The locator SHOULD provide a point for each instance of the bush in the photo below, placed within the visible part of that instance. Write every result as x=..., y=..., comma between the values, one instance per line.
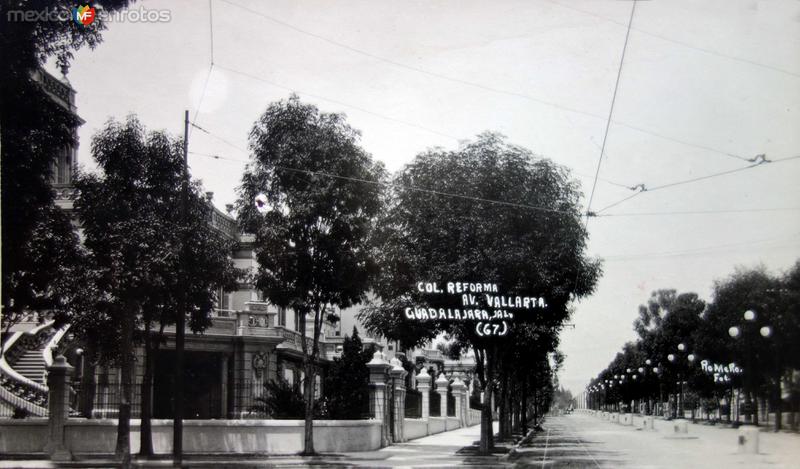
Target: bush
x=20, y=413
x=283, y=401
x=347, y=382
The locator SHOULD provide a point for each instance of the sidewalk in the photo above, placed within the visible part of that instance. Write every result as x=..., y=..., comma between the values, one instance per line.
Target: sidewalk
x=443, y=450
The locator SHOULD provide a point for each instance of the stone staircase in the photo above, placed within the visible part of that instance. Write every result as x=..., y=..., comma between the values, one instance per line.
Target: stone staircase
x=22, y=370
x=31, y=365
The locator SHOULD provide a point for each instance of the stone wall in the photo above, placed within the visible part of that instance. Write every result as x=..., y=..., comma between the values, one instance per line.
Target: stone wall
x=415, y=428
x=87, y=437
x=436, y=425
x=23, y=436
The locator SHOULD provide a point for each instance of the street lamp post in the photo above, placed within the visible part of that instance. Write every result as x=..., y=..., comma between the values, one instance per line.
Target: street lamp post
x=735, y=332
x=647, y=404
x=658, y=370
x=673, y=359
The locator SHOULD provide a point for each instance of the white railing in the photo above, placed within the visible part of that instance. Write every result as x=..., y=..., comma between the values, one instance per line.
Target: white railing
x=18, y=390
x=53, y=345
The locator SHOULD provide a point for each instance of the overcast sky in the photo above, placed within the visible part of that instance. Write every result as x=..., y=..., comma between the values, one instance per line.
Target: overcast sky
x=703, y=82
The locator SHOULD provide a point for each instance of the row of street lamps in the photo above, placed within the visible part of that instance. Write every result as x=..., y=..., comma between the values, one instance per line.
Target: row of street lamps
x=734, y=331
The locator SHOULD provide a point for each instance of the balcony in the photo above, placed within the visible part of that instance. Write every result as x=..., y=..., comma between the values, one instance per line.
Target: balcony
x=259, y=321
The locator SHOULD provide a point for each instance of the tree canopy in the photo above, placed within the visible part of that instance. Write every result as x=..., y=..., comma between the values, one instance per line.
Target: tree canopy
x=489, y=212
x=36, y=128
x=140, y=257
x=750, y=331
x=322, y=193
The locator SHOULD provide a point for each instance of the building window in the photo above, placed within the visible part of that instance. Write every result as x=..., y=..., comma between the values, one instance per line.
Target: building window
x=62, y=167
x=282, y=316
x=224, y=299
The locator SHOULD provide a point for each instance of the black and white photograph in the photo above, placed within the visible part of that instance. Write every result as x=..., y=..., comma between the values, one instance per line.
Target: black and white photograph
x=400, y=234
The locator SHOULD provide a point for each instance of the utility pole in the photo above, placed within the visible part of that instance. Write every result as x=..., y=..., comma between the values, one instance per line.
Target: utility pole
x=180, y=323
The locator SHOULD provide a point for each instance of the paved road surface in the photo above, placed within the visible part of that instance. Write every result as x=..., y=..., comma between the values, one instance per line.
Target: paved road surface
x=585, y=441
x=572, y=441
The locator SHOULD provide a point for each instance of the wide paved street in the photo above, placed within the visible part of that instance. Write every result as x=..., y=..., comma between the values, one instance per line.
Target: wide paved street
x=579, y=440
x=572, y=441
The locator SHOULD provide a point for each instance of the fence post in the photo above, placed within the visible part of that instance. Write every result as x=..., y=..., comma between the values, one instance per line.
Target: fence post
x=441, y=388
x=58, y=381
x=398, y=374
x=424, y=387
x=458, y=391
x=377, y=386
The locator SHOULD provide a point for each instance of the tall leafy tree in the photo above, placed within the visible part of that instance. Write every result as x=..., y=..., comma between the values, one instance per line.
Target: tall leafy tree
x=141, y=257
x=790, y=325
x=34, y=128
x=762, y=356
x=533, y=243
x=311, y=248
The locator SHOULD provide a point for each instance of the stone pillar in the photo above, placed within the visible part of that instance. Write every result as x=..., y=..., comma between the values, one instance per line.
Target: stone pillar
x=398, y=374
x=378, y=376
x=441, y=388
x=458, y=391
x=58, y=381
x=647, y=423
x=424, y=387
x=748, y=439
x=223, y=371
x=680, y=427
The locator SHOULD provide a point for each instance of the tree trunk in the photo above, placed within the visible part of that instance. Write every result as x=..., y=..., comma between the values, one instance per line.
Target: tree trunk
x=88, y=382
x=308, y=395
x=152, y=345
x=123, y=449
x=524, y=407
x=515, y=411
x=778, y=402
x=512, y=408
x=487, y=437
x=146, y=433
x=754, y=407
x=505, y=431
x=308, y=362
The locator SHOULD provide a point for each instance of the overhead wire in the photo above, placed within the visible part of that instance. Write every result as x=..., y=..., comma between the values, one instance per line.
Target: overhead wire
x=678, y=42
x=640, y=188
x=386, y=184
x=760, y=160
x=705, y=249
x=481, y=86
x=698, y=212
x=376, y=114
x=610, y=113
x=340, y=103
x=210, y=65
x=597, y=214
